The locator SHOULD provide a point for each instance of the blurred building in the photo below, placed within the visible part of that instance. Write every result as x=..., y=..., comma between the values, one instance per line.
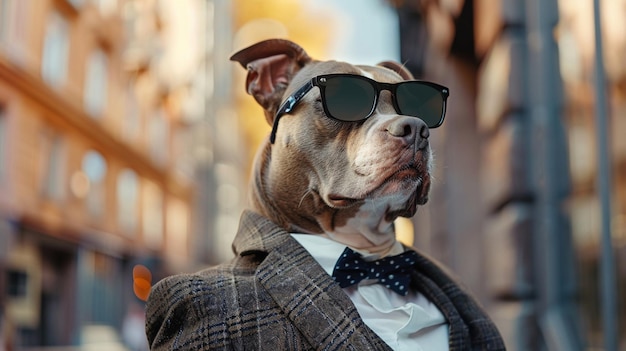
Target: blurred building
x=102, y=103
x=515, y=209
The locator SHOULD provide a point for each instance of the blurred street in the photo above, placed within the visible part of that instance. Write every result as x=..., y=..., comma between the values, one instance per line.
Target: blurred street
x=127, y=138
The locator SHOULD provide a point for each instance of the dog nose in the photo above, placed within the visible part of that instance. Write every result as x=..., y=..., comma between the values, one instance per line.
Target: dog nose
x=410, y=130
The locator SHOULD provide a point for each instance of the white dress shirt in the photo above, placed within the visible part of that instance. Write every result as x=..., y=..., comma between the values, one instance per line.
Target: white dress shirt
x=408, y=322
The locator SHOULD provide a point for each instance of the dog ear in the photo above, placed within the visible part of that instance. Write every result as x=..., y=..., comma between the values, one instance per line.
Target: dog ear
x=271, y=65
x=398, y=68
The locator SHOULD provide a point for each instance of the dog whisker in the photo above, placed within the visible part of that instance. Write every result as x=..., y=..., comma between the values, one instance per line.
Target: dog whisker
x=303, y=196
x=431, y=165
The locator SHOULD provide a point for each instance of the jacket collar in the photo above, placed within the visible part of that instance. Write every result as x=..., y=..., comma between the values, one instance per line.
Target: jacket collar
x=257, y=234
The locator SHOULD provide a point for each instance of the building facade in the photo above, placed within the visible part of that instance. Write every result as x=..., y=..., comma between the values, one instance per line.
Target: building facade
x=98, y=102
x=516, y=209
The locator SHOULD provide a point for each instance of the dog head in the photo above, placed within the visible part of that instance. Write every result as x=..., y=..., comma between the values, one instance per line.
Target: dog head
x=318, y=174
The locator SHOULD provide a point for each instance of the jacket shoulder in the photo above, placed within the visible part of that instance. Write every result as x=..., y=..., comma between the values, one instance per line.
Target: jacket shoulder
x=182, y=309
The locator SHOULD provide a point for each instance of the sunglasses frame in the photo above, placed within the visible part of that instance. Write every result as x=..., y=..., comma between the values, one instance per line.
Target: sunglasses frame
x=320, y=81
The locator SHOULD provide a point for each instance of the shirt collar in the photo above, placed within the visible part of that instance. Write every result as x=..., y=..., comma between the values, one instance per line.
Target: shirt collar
x=327, y=251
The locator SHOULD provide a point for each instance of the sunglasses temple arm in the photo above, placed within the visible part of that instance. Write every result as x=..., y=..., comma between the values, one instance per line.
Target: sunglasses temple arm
x=274, y=127
x=288, y=105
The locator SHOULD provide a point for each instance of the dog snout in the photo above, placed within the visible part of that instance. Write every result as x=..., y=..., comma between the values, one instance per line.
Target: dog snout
x=410, y=130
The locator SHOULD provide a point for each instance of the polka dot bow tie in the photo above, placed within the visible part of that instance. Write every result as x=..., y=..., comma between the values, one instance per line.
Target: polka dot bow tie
x=393, y=272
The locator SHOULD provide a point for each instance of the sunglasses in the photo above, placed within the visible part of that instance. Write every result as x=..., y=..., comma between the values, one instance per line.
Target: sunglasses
x=353, y=98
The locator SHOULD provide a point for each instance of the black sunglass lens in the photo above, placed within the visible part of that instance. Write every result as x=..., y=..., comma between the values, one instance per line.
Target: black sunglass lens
x=422, y=101
x=348, y=98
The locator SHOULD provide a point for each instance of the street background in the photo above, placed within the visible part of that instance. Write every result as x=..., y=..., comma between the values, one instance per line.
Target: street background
x=126, y=142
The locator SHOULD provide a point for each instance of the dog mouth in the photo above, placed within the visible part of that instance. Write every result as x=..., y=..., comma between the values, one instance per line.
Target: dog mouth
x=408, y=172
x=339, y=201
x=406, y=178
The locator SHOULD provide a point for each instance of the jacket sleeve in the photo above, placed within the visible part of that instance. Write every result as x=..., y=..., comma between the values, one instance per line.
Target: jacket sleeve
x=170, y=320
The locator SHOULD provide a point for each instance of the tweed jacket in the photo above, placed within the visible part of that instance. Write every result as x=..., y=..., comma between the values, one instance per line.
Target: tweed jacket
x=274, y=296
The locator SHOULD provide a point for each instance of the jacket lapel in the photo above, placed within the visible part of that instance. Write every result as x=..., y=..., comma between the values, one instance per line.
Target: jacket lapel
x=313, y=302
x=457, y=331
x=469, y=326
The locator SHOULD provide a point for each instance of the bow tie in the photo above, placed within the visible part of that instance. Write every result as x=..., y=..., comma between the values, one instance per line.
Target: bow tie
x=393, y=272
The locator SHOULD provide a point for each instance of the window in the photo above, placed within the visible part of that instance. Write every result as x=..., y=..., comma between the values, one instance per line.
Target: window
x=12, y=23
x=95, y=93
x=127, y=200
x=131, y=125
x=99, y=279
x=182, y=144
x=5, y=19
x=55, y=50
x=76, y=3
x=158, y=134
x=53, y=167
x=95, y=167
x=106, y=7
x=177, y=228
x=152, y=206
x=17, y=282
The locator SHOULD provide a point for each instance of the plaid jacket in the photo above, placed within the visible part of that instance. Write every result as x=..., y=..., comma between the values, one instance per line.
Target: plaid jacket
x=274, y=296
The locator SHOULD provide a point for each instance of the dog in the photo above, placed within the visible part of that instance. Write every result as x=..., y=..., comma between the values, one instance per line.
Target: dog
x=348, y=153
x=350, y=177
